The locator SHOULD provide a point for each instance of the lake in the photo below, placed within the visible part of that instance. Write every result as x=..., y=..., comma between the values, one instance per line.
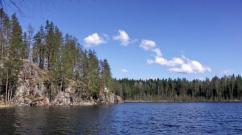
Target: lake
x=125, y=119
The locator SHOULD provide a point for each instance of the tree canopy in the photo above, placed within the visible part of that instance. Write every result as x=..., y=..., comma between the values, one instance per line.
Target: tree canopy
x=61, y=56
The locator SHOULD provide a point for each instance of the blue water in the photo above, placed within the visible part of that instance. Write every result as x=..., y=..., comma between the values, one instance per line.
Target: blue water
x=125, y=119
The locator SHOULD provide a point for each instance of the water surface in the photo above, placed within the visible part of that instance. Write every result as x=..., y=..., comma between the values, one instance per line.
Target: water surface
x=125, y=119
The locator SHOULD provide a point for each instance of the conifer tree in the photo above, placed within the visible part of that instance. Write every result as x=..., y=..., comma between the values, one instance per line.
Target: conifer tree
x=39, y=48
x=93, y=73
x=13, y=62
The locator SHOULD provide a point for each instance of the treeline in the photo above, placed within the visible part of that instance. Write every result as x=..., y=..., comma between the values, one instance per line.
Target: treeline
x=61, y=56
x=227, y=88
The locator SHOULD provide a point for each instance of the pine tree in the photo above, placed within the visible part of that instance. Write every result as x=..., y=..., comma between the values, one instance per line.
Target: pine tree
x=29, y=41
x=93, y=73
x=17, y=47
x=105, y=76
x=4, y=34
x=13, y=62
x=39, y=48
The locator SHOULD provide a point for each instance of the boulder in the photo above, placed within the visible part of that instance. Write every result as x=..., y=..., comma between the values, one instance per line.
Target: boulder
x=63, y=98
x=41, y=102
x=120, y=99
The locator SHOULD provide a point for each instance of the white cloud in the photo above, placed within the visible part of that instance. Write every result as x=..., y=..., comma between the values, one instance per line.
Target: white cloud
x=147, y=44
x=179, y=64
x=93, y=40
x=190, y=67
x=124, y=70
x=157, y=51
x=123, y=37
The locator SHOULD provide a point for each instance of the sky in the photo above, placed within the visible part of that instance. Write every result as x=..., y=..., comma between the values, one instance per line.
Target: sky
x=143, y=39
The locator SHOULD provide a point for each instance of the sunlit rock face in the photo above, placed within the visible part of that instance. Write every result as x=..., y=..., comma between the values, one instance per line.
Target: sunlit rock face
x=32, y=90
x=62, y=98
x=109, y=98
x=120, y=99
x=31, y=86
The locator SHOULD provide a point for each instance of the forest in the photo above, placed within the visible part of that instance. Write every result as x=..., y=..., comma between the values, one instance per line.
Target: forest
x=226, y=88
x=61, y=55
x=66, y=60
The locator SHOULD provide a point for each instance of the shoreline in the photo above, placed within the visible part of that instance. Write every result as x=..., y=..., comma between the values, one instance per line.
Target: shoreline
x=2, y=106
x=10, y=105
x=171, y=101
x=6, y=106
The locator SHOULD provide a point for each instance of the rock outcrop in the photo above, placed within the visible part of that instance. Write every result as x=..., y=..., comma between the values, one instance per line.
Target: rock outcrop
x=31, y=85
x=32, y=90
x=65, y=98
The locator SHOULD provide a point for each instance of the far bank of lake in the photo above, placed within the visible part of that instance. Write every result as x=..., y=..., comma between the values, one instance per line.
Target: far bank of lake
x=184, y=101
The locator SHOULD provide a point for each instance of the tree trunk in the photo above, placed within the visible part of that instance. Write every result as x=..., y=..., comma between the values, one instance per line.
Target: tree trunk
x=9, y=89
x=1, y=38
x=6, y=89
x=11, y=94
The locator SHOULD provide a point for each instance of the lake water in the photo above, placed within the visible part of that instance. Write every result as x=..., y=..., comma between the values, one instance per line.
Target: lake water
x=125, y=119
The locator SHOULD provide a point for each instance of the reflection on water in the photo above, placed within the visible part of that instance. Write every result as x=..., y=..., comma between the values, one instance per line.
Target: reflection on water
x=129, y=118
x=55, y=120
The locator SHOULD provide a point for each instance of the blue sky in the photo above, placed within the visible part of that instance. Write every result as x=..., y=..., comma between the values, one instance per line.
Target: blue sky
x=196, y=38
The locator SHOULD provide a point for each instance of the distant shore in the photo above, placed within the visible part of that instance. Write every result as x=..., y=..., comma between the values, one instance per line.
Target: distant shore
x=178, y=101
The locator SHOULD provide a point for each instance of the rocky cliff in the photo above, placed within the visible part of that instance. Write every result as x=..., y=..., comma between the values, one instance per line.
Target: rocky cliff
x=32, y=90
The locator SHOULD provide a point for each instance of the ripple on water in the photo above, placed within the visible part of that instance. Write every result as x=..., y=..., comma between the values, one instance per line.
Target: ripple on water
x=125, y=119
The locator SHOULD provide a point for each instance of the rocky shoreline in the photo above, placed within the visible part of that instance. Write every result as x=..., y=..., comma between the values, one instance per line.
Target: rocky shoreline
x=33, y=90
x=62, y=99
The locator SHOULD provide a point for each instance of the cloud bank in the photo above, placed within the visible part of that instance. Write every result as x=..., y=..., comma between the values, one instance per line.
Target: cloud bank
x=178, y=64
